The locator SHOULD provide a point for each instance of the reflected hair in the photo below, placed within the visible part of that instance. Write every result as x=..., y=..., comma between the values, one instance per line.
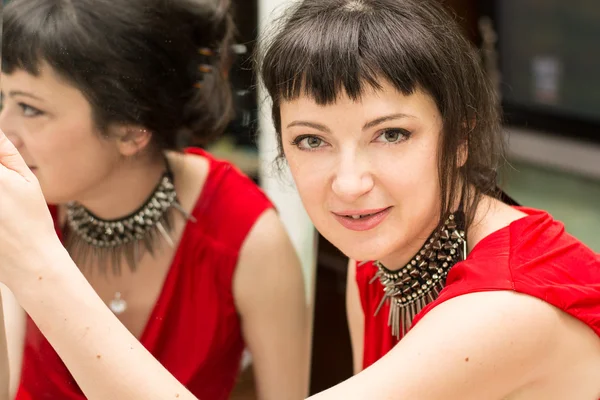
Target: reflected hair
x=136, y=61
x=326, y=48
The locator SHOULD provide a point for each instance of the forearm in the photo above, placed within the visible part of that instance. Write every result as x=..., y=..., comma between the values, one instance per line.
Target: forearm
x=105, y=359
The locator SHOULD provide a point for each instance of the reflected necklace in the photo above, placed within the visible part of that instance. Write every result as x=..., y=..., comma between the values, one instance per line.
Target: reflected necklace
x=411, y=288
x=109, y=241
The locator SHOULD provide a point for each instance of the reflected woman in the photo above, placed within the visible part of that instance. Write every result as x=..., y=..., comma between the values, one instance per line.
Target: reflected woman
x=184, y=249
x=393, y=138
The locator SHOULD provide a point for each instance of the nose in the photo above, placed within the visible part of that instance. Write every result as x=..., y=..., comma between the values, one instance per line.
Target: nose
x=353, y=178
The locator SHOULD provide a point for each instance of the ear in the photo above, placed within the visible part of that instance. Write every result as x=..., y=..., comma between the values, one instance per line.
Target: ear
x=133, y=139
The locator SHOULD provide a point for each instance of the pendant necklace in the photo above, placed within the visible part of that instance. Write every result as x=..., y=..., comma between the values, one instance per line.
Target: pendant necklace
x=106, y=242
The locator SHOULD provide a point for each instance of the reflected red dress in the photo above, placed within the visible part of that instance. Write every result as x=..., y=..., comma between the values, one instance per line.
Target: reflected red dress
x=194, y=329
x=533, y=255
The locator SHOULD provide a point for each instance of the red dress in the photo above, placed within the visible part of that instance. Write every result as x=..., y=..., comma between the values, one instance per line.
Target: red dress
x=533, y=255
x=194, y=329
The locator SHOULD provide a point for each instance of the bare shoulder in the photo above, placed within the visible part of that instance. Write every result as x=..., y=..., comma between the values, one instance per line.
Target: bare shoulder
x=516, y=314
x=513, y=327
x=267, y=238
x=268, y=269
x=492, y=215
x=190, y=171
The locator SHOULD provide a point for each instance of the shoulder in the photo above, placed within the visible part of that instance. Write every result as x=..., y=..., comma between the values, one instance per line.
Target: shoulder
x=228, y=187
x=565, y=275
x=268, y=243
x=534, y=333
x=548, y=263
x=227, y=202
x=490, y=310
x=479, y=345
x=498, y=329
x=268, y=268
x=534, y=256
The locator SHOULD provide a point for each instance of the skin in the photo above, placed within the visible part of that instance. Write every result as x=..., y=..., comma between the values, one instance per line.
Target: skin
x=338, y=164
x=50, y=124
x=495, y=345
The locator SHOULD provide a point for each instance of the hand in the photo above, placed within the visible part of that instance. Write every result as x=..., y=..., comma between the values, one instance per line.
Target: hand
x=26, y=228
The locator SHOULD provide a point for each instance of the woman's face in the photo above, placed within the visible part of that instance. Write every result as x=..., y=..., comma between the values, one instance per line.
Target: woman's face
x=50, y=122
x=367, y=170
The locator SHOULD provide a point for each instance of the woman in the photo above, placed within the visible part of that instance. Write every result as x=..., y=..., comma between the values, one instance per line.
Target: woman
x=392, y=135
x=186, y=251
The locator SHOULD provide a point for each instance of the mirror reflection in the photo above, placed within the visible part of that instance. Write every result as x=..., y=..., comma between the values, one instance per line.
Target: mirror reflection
x=104, y=101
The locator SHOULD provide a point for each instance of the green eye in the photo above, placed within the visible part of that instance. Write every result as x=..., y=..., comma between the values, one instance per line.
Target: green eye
x=393, y=135
x=313, y=142
x=308, y=142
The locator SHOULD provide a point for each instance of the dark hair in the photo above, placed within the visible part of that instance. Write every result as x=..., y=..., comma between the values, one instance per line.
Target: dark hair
x=136, y=61
x=324, y=47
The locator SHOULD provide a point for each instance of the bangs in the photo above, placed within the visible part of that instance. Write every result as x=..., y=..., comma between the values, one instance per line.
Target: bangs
x=345, y=54
x=38, y=32
x=26, y=42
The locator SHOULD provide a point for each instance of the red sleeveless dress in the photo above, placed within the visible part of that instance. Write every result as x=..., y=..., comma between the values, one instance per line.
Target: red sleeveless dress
x=533, y=255
x=194, y=329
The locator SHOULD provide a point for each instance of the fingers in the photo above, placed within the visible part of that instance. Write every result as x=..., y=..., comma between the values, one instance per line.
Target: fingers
x=11, y=159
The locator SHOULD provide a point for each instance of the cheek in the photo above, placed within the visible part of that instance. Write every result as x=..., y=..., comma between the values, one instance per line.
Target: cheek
x=307, y=182
x=69, y=161
x=312, y=180
x=410, y=179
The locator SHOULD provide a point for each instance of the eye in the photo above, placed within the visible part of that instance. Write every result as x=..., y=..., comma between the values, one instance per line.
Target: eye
x=308, y=142
x=393, y=135
x=30, y=112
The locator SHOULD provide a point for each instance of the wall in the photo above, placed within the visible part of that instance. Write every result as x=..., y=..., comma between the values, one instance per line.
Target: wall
x=279, y=185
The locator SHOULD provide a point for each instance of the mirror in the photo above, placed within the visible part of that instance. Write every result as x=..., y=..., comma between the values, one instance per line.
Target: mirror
x=174, y=245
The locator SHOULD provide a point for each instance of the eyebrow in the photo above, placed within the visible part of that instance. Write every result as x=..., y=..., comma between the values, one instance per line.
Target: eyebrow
x=385, y=118
x=368, y=125
x=26, y=94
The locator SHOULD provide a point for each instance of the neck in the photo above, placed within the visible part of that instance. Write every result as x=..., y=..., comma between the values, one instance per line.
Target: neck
x=398, y=259
x=124, y=189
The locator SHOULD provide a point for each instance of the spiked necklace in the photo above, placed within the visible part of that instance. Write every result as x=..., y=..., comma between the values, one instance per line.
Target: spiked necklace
x=88, y=237
x=410, y=289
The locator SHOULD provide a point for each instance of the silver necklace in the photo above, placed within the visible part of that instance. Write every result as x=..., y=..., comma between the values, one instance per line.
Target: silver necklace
x=410, y=289
x=88, y=237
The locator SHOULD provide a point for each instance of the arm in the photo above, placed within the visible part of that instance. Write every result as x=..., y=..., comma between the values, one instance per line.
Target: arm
x=269, y=294
x=356, y=318
x=105, y=359
x=14, y=323
x=476, y=346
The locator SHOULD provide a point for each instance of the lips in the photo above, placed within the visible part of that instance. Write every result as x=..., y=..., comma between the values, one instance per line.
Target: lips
x=362, y=220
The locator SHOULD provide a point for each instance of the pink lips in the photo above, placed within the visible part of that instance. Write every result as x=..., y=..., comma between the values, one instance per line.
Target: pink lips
x=369, y=218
